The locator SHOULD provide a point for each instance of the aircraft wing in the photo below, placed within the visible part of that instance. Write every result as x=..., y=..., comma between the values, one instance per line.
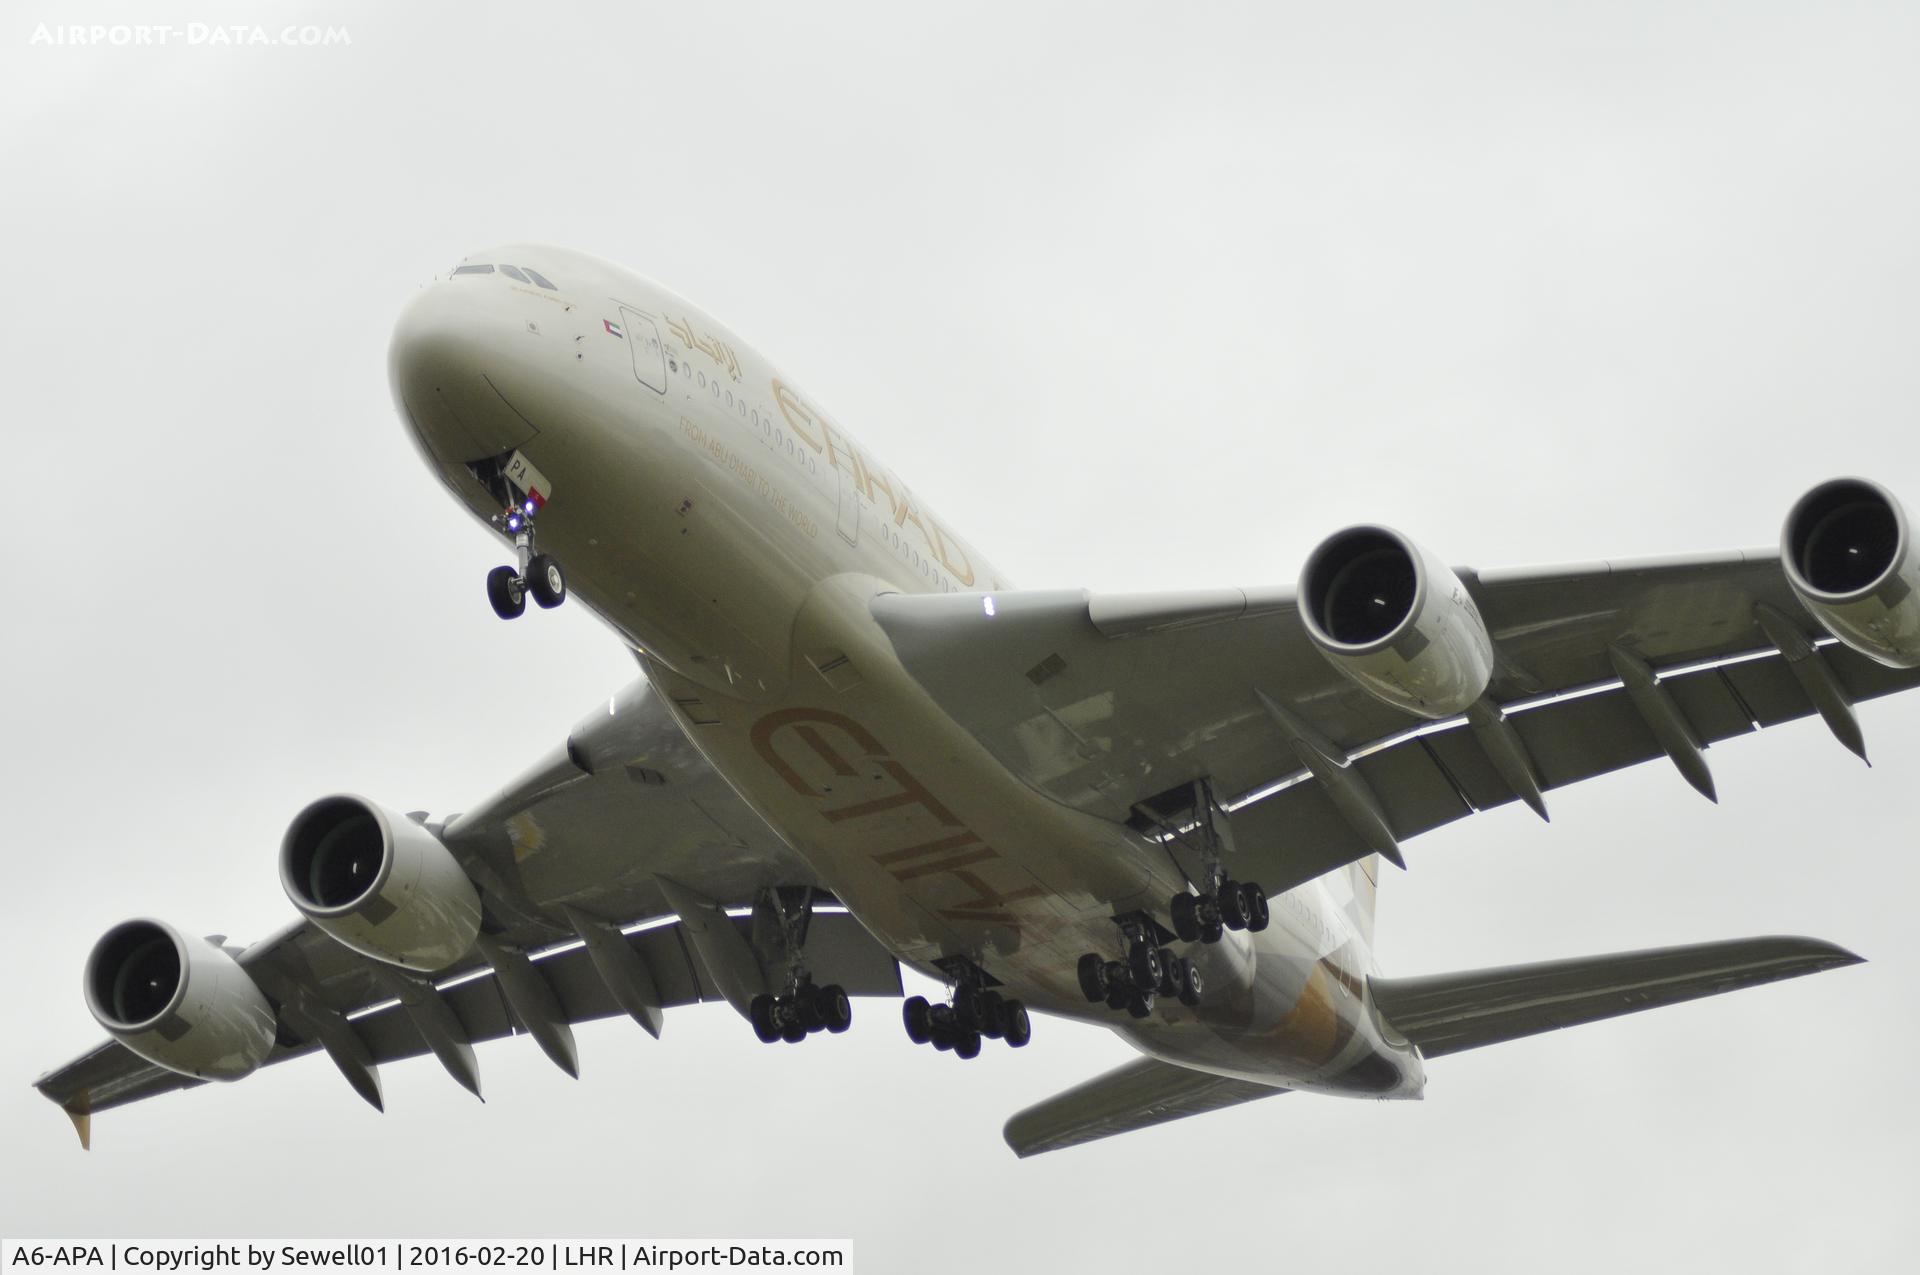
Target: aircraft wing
x=839, y=951
x=1447, y=1013
x=1108, y=702
x=622, y=832
x=1135, y=1095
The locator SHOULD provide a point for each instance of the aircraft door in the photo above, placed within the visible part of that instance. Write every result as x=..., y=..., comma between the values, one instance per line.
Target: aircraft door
x=649, y=356
x=849, y=514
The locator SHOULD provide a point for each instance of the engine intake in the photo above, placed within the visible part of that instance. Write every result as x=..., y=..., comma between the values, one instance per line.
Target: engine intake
x=379, y=883
x=1397, y=621
x=183, y=1004
x=1850, y=560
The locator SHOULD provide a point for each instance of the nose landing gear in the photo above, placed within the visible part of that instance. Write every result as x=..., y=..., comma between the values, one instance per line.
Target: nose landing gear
x=537, y=575
x=975, y=1011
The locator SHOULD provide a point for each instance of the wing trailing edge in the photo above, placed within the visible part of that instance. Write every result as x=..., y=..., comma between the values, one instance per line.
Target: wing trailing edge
x=1448, y=1013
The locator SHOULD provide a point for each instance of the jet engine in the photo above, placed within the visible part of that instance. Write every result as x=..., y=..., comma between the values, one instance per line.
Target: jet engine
x=1850, y=560
x=1396, y=620
x=379, y=883
x=181, y=1003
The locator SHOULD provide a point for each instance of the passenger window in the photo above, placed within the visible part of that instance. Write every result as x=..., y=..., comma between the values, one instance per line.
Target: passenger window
x=473, y=269
x=540, y=279
x=513, y=272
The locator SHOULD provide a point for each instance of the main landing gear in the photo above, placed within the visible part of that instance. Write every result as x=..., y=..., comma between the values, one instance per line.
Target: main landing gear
x=974, y=1010
x=1149, y=971
x=803, y=1010
x=537, y=575
x=781, y=919
x=1230, y=905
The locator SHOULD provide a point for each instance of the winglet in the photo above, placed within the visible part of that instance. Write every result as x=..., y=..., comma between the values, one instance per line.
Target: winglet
x=82, y=1121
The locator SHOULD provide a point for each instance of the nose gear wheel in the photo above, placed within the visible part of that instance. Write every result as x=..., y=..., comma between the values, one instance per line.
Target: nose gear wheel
x=536, y=575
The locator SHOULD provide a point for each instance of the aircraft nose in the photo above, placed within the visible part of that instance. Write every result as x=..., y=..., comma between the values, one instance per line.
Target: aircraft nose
x=453, y=361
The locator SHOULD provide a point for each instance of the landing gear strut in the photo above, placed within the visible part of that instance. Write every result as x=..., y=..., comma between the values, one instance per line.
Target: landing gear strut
x=537, y=574
x=973, y=1011
x=1190, y=820
x=1149, y=971
x=803, y=1008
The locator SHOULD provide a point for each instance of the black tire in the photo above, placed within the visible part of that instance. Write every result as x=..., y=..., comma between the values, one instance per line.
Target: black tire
x=1213, y=933
x=1186, y=917
x=760, y=1014
x=1143, y=962
x=967, y=1046
x=1140, y=1005
x=1257, y=914
x=835, y=1008
x=794, y=1033
x=919, y=1022
x=546, y=581
x=943, y=1038
x=1190, y=984
x=505, y=593
x=988, y=1009
x=1018, y=1029
x=1169, y=973
x=804, y=1005
x=1093, y=977
x=1232, y=913
x=1119, y=994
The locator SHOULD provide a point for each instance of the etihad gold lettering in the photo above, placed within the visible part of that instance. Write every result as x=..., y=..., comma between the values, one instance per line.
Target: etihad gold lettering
x=827, y=744
x=816, y=432
x=712, y=346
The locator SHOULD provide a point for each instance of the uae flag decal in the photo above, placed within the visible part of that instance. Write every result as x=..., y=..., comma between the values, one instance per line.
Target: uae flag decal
x=613, y=328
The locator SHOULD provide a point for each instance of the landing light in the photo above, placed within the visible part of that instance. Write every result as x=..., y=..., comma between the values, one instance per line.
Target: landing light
x=986, y=604
x=513, y=523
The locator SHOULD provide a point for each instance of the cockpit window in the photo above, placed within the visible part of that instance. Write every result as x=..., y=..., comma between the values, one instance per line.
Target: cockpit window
x=473, y=269
x=540, y=279
x=513, y=272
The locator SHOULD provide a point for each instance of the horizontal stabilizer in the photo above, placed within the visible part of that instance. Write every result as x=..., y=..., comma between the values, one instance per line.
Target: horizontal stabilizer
x=1446, y=1013
x=1140, y=1094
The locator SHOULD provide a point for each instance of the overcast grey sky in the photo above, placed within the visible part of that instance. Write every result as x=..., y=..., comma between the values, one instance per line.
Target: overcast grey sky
x=1138, y=296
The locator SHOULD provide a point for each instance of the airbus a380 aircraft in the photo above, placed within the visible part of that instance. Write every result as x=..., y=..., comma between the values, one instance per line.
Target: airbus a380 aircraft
x=852, y=743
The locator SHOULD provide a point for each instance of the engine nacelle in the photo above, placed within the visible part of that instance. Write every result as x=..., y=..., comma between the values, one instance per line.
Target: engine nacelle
x=379, y=883
x=1396, y=620
x=1850, y=560
x=181, y=1003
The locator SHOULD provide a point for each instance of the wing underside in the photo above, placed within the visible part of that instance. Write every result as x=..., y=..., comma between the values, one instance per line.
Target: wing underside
x=1113, y=703
x=1136, y=1095
x=1447, y=1013
x=839, y=950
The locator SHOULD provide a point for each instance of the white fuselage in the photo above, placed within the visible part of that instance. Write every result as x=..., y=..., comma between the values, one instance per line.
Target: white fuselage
x=735, y=536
